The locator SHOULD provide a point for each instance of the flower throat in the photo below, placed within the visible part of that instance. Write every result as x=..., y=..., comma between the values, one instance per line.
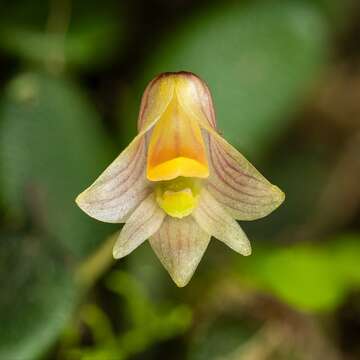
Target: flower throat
x=178, y=197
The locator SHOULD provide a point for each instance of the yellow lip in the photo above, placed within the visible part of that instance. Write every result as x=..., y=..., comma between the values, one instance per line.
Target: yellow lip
x=178, y=197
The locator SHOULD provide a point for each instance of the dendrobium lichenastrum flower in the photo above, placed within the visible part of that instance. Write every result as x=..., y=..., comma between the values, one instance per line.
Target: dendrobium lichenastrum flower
x=179, y=182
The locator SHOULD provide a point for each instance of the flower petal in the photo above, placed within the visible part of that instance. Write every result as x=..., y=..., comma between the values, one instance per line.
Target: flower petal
x=237, y=185
x=195, y=98
x=142, y=223
x=155, y=100
x=216, y=221
x=120, y=188
x=180, y=245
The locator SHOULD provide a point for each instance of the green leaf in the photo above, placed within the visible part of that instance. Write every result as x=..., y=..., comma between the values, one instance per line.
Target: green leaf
x=258, y=61
x=150, y=322
x=90, y=34
x=37, y=295
x=51, y=148
x=307, y=276
x=337, y=11
x=222, y=339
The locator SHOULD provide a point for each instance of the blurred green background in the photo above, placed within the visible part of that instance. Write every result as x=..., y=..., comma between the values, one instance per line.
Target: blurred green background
x=285, y=77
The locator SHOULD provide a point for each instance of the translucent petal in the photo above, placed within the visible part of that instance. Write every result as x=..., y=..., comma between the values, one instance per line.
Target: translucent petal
x=120, y=188
x=155, y=100
x=236, y=184
x=143, y=223
x=180, y=245
x=195, y=98
x=216, y=221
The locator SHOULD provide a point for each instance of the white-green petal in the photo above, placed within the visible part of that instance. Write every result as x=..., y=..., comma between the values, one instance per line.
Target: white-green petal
x=195, y=98
x=143, y=223
x=237, y=185
x=216, y=221
x=120, y=188
x=180, y=244
x=155, y=100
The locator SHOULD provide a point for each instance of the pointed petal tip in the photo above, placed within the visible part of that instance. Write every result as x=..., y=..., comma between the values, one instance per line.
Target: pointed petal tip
x=120, y=250
x=183, y=275
x=182, y=282
x=243, y=248
x=79, y=200
x=279, y=195
x=246, y=251
x=82, y=203
x=117, y=253
x=181, y=278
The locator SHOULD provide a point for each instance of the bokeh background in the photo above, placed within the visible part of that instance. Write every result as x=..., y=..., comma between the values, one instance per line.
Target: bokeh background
x=285, y=77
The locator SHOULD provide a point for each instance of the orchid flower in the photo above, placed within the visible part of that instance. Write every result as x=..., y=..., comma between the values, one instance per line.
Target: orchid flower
x=179, y=182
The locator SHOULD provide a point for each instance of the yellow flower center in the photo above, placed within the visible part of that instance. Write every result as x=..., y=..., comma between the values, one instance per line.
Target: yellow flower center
x=178, y=197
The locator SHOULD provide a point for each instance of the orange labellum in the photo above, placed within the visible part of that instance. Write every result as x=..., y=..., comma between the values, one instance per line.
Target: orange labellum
x=176, y=146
